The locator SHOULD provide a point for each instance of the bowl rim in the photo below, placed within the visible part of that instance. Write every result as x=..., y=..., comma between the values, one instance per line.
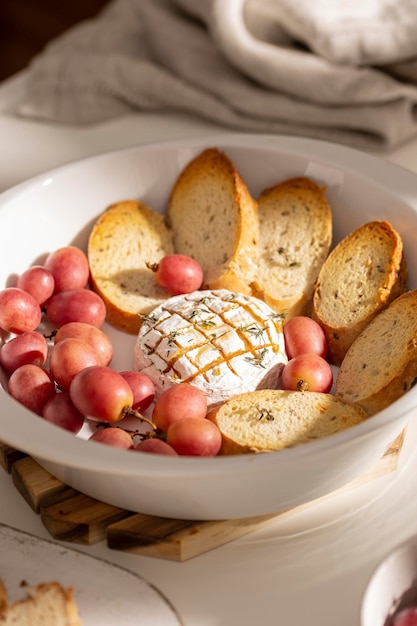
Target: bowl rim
x=68, y=449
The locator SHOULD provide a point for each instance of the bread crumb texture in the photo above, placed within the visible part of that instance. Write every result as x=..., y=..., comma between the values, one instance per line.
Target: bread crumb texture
x=126, y=238
x=359, y=278
x=295, y=221
x=271, y=419
x=381, y=364
x=214, y=219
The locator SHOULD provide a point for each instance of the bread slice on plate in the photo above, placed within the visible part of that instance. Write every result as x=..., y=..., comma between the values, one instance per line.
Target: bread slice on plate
x=295, y=222
x=381, y=364
x=360, y=277
x=126, y=237
x=214, y=219
x=271, y=419
x=48, y=604
x=3, y=596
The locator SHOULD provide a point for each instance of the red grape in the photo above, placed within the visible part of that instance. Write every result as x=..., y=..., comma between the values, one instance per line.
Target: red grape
x=194, y=437
x=142, y=387
x=68, y=357
x=155, y=446
x=113, y=436
x=180, y=402
x=177, y=273
x=32, y=386
x=101, y=394
x=70, y=268
x=92, y=335
x=76, y=305
x=407, y=617
x=303, y=334
x=307, y=372
x=29, y=347
x=39, y=282
x=19, y=311
x=60, y=410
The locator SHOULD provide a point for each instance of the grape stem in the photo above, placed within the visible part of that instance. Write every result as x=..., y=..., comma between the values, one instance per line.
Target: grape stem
x=129, y=412
x=152, y=266
x=302, y=385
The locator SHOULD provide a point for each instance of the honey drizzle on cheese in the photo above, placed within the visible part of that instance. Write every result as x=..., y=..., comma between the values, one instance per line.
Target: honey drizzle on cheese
x=253, y=333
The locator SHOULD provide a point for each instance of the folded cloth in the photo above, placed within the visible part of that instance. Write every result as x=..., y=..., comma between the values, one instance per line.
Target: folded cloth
x=341, y=71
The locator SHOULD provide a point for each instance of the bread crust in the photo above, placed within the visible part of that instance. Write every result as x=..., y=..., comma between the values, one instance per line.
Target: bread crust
x=124, y=239
x=211, y=200
x=360, y=277
x=272, y=419
x=381, y=364
x=294, y=240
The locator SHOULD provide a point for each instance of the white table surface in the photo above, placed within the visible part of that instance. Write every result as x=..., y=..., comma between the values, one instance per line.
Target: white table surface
x=308, y=567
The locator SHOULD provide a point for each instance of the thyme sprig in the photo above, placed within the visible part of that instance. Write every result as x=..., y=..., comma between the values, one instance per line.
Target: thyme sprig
x=254, y=330
x=283, y=252
x=265, y=414
x=149, y=319
x=206, y=323
x=197, y=313
x=258, y=359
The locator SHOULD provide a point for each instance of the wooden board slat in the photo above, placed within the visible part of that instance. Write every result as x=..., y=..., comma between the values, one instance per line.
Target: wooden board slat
x=80, y=519
x=36, y=485
x=68, y=515
x=178, y=540
x=8, y=456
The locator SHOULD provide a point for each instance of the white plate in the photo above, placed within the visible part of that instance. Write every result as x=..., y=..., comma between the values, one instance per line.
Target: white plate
x=105, y=594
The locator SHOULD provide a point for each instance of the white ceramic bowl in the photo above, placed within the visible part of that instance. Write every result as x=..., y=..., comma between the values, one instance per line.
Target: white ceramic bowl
x=59, y=207
x=393, y=585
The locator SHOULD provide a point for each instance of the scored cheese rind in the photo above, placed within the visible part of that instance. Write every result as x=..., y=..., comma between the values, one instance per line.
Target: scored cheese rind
x=222, y=342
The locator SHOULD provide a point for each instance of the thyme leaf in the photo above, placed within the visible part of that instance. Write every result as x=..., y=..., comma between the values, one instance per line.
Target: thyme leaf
x=265, y=414
x=258, y=359
x=255, y=330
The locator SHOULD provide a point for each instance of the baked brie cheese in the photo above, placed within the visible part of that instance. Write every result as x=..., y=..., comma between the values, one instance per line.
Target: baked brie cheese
x=222, y=342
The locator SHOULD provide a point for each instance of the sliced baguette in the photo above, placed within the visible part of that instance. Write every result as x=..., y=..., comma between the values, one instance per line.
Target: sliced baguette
x=126, y=237
x=295, y=221
x=381, y=364
x=359, y=278
x=48, y=604
x=270, y=419
x=214, y=219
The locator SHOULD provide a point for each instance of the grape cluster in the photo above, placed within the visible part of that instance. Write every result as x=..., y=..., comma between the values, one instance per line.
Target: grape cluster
x=65, y=377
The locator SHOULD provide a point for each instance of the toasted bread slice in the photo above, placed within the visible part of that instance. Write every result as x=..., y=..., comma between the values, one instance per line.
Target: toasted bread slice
x=271, y=419
x=215, y=220
x=126, y=237
x=381, y=364
x=3, y=596
x=295, y=222
x=360, y=277
x=48, y=604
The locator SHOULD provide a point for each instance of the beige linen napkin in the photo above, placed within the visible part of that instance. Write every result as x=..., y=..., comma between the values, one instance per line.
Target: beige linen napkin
x=342, y=71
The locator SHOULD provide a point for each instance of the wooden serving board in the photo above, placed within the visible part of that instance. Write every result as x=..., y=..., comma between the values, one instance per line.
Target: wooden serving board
x=69, y=515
